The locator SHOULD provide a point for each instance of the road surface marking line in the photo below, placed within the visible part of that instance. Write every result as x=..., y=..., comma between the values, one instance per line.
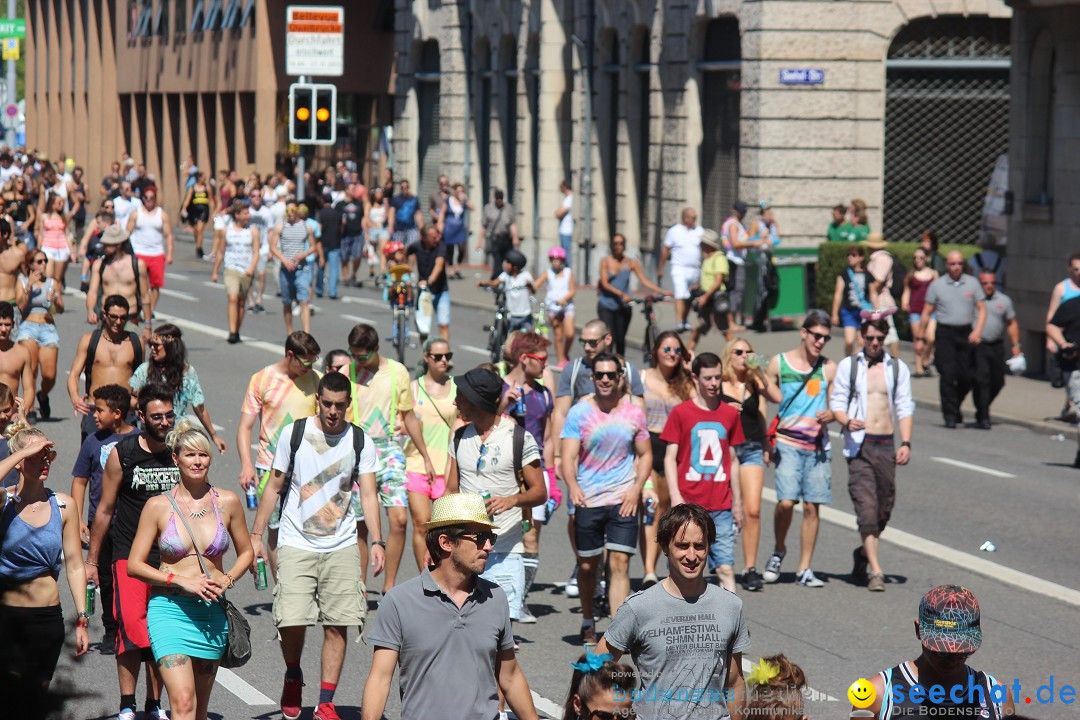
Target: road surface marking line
x=549, y=708
x=366, y=301
x=176, y=276
x=474, y=349
x=974, y=468
x=357, y=319
x=178, y=294
x=219, y=333
x=215, y=285
x=240, y=688
x=938, y=551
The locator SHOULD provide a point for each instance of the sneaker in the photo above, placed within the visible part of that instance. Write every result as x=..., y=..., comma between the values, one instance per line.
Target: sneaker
x=588, y=633
x=517, y=645
x=292, y=697
x=751, y=580
x=199, y=253
x=527, y=618
x=649, y=580
x=807, y=578
x=233, y=338
x=858, y=571
x=43, y=405
x=259, y=308
x=158, y=714
x=772, y=568
x=126, y=714
x=572, y=588
x=876, y=582
x=326, y=711
x=601, y=607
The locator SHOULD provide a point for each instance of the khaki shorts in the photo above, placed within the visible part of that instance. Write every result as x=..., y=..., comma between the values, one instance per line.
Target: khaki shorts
x=319, y=588
x=237, y=283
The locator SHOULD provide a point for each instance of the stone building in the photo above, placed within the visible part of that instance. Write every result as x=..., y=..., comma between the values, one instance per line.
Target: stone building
x=1044, y=229
x=806, y=104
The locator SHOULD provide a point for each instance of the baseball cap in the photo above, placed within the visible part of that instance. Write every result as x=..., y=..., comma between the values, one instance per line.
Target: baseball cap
x=949, y=620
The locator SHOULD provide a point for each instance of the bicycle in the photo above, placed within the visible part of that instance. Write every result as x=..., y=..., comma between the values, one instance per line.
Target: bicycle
x=499, y=328
x=649, y=340
x=401, y=296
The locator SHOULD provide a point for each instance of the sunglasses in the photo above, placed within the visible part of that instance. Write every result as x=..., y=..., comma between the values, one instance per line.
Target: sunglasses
x=480, y=459
x=116, y=318
x=603, y=714
x=337, y=368
x=589, y=343
x=542, y=359
x=818, y=337
x=606, y=375
x=155, y=344
x=671, y=350
x=306, y=363
x=439, y=357
x=364, y=357
x=480, y=537
x=874, y=338
x=158, y=417
x=740, y=352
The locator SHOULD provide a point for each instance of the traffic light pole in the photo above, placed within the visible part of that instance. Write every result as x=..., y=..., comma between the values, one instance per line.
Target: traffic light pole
x=300, y=169
x=11, y=96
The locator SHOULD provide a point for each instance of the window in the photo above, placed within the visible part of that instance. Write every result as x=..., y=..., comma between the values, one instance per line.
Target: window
x=180, y=17
x=249, y=14
x=197, y=17
x=213, y=15
x=232, y=16
x=1040, y=118
x=161, y=21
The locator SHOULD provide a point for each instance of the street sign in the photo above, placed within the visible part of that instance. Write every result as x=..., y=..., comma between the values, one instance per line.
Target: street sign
x=315, y=40
x=10, y=49
x=802, y=76
x=12, y=28
x=11, y=110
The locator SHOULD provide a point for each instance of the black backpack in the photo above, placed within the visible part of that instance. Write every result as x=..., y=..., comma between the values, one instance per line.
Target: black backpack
x=519, y=448
x=899, y=278
x=297, y=437
x=91, y=353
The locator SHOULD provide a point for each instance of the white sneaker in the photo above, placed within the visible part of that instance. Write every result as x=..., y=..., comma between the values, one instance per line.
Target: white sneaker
x=572, y=588
x=126, y=714
x=807, y=578
x=772, y=568
x=527, y=618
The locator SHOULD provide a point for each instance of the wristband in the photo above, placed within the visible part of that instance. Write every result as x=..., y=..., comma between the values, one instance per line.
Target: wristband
x=169, y=579
x=83, y=620
x=906, y=443
x=87, y=562
x=648, y=485
x=380, y=543
x=232, y=581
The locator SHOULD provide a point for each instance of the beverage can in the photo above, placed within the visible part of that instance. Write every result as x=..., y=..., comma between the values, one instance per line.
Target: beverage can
x=260, y=574
x=91, y=589
x=525, y=525
x=649, y=517
x=487, y=496
x=549, y=508
x=252, y=497
x=521, y=402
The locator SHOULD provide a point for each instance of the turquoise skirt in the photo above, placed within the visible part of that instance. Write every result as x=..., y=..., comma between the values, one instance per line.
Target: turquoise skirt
x=182, y=625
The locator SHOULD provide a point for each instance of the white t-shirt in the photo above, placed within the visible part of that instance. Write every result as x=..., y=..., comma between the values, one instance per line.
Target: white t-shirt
x=517, y=292
x=685, y=245
x=7, y=173
x=237, y=248
x=123, y=207
x=277, y=212
x=222, y=221
x=263, y=218
x=566, y=225
x=318, y=514
x=497, y=475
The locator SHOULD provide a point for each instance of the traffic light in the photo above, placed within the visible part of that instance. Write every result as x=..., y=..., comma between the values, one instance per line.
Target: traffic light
x=312, y=114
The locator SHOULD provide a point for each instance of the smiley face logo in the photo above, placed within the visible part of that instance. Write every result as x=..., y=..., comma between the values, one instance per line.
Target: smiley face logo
x=861, y=693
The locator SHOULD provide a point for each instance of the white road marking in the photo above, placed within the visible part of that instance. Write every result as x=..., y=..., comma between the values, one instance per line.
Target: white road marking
x=944, y=553
x=219, y=333
x=357, y=319
x=366, y=301
x=549, y=708
x=240, y=688
x=474, y=349
x=974, y=468
x=176, y=276
x=215, y=285
x=178, y=294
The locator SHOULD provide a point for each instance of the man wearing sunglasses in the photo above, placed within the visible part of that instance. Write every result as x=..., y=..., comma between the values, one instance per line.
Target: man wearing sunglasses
x=412, y=630
x=871, y=397
x=276, y=396
x=119, y=272
x=606, y=458
x=802, y=452
x=139, y=467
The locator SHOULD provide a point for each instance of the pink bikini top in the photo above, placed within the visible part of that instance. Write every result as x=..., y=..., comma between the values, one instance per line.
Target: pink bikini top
x=174, y=547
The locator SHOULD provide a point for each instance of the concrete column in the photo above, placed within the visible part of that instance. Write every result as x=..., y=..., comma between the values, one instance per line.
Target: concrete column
x=555, y=120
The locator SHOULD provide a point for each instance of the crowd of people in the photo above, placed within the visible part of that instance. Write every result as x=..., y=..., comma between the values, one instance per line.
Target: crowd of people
x=670, y=460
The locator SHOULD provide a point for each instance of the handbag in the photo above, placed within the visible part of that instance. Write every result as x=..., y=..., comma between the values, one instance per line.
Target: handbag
x=721, y=303
x=238, y=645
x=770, y=434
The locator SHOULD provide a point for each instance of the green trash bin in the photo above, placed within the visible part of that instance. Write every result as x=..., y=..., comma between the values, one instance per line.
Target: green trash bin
x=793, y=267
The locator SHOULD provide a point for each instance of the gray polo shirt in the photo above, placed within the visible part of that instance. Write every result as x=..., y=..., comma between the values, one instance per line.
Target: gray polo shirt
x=954, y=301
x=497, y=221
x=446, y=654
x=999, y=311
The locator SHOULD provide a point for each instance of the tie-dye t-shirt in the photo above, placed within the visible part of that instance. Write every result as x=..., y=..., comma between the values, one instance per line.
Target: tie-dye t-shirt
x=277, y=400
x=798, y=422
x=378, y=397
x=606, y=458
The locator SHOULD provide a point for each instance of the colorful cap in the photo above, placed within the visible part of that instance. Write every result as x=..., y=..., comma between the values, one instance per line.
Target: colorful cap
x=949, y=620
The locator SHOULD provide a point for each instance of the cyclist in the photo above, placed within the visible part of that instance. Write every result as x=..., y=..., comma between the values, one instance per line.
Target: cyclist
x=613, y=300
x=518, y=286
x=559, y=304
x=398, y=280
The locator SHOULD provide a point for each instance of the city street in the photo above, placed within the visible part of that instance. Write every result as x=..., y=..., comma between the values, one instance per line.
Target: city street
x=1011, y=485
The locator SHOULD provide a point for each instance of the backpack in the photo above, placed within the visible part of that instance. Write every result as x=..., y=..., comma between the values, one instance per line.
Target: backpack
x=297, y=438
x=91, y=353
x=519, y=448
x=898, y=275
x=981, y=266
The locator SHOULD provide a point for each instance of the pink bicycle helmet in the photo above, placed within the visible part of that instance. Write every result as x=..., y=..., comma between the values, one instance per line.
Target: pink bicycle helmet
x=556, y=252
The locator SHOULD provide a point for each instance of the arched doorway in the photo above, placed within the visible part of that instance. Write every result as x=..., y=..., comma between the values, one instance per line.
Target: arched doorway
x=719, y=153
x=946, y=122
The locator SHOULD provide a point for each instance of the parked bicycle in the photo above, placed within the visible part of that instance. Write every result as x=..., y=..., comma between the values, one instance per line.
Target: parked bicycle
x=499, y=328
x=651, y=331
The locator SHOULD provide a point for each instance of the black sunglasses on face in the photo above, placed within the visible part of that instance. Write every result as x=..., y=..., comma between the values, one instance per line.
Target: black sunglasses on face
x=480, y=537
x=739, y=352
x=438, y=357
x=609, y=375
x=590, y=343
x=818, y=337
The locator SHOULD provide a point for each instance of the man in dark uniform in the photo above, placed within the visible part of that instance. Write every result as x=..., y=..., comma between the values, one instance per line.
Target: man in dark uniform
x=990, y=352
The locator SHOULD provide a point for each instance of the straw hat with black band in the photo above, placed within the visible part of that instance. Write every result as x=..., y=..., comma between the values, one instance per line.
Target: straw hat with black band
x=459, y=509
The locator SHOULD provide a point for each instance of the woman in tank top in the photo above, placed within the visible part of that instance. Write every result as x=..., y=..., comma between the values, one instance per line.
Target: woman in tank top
x=559, y=302
x=197, y=208
x=434, y=396
x=667, y=383
x=17, y=199
x=375, y=225
x=613, y=301
x=37, y=297
x=912, y=302
x=747, y=389
x=39, y=537
x=55, y=238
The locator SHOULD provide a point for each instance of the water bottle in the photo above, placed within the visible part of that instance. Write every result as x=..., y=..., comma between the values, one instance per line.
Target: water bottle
x=549, y=508
x=252, y=497
x=649, y=517
x=91, y=589
x=260, y=574
x=757, y=361
x=520, y=407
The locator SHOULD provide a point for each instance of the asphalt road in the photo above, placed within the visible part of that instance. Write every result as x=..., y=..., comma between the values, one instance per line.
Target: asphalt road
x=962, y=487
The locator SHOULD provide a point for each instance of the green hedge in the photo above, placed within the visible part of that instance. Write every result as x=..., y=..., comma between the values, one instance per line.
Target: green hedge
x=832, y=258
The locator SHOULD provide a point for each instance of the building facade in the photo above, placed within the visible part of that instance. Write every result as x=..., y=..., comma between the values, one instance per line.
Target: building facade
x=1044, y=167
x=803, y=105
x=164, y=80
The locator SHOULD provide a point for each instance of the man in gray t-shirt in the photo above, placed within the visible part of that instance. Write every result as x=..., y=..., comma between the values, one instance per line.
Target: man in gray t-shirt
x=686, y=637
x=990, y=368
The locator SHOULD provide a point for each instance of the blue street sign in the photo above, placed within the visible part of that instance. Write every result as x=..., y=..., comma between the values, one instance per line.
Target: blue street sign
x=802, y=76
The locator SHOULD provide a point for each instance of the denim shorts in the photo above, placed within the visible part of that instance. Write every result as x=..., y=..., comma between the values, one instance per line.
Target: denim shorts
x=44, y=334
x=600, y=528
x=520, y=322
x=295, y=285
x=507, y=570
x=441, y=302
x=352, y=246
x=803, y=474
x=722, y=552
x=915, y=318
x=750, y=453
x=849, y=317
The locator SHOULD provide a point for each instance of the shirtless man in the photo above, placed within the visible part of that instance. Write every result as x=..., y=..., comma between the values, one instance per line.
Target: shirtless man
x=12, y=256
x=15, y=365
x=109, y=355
x=870, y=409
x=115, y=274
